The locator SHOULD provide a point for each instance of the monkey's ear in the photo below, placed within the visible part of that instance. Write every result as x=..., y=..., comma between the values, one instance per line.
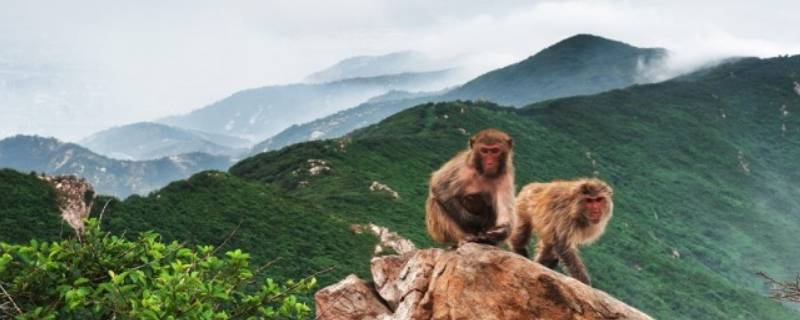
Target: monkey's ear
x=471, y=142
x=510, y=143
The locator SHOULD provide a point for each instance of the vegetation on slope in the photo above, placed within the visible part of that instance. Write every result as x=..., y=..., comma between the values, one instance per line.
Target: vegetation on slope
x=581, y=64
x=108, y=176
x=704, y=175
x=105, y=277
x=28, y=208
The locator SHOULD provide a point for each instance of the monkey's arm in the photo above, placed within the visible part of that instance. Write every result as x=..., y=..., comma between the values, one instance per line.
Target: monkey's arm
x=504, y=202
x=573, y=262
x=460, y=215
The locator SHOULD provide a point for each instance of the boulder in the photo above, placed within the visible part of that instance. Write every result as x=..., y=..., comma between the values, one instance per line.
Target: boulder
x=472, y=282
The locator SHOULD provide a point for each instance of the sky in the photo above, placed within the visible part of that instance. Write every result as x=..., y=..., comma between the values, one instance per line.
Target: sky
x=70, y=68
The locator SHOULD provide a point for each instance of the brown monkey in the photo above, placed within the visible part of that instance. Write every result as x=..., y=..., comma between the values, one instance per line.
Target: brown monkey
x=471, y=197
x=564, y=215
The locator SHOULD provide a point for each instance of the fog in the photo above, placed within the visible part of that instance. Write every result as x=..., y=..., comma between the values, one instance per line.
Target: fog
x=70, y=68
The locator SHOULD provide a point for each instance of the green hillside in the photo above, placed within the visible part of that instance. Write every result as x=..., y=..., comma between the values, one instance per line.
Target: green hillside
x=701, y=167
x=581, y=64
x=28, y=209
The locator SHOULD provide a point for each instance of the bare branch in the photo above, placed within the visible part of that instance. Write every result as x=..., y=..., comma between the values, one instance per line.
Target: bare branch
x=13, y=303
x=100, y=220
x=784, y=291
x=227, y=238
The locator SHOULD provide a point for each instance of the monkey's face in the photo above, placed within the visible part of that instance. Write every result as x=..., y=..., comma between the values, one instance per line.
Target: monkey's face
x=490, y=159
x=595, y=208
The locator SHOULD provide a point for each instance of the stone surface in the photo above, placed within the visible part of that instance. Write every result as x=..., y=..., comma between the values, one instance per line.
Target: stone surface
x=351, y=298
x=472, y=282
x=482, y=282
x=75, y=197
x=386, y=239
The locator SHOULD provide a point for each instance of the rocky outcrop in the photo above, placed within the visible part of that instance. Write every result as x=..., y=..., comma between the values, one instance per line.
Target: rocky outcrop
x=472, y=282
x=386, y=239
x=75, y=197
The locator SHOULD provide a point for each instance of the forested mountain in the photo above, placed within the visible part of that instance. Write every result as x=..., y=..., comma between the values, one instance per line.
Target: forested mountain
x=704, y=172
x=259, y=113
x=582, y=64
x=578, y=65
x=108, y=176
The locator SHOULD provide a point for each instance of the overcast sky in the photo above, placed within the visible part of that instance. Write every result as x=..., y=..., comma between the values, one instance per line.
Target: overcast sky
x=141, y=60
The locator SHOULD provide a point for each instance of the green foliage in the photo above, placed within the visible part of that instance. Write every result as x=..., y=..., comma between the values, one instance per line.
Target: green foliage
x=721, y=191
x=105, y=277
x=28, y=208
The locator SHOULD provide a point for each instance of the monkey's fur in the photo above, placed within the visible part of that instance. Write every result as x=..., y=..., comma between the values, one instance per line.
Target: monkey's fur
x=557, y=212
x=468, y=201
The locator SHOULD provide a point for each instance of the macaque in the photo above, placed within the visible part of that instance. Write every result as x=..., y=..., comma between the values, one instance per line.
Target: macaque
x=471, y=197
x=564, y=215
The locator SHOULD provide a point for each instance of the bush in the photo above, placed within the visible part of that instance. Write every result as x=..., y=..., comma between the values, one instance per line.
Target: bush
x=107, y=277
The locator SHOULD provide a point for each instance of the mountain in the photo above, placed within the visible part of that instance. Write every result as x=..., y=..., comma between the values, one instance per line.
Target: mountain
x=582, y=64
x=147, y=140
x=257, y=114
x=373, y=66
x=704, y=171
x=345, y=121
x=109, y=176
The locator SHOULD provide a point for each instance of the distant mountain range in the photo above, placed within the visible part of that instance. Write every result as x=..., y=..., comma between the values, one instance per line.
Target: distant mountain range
x=108, y=176
x=343, y=122
x=373, y=66
x=579, y=65
x=257, y=114
x=704, y=169
x=147, y=140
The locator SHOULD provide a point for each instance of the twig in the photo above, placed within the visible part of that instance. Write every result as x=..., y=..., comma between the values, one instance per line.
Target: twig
x=13, y=303
x=227, y=238
x=292, y=287
x=287, y=291
x=100, y=220
x=787, y=291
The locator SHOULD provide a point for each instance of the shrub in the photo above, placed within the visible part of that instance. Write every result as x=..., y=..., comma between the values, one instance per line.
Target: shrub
x=108, y=277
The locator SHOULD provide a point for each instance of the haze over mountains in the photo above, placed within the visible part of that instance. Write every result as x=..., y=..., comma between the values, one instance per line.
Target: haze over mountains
x=373, y=66
x=148, y=140
x=120, y=178
x=579, y=65
x=361, y=91
x=257, y=114
x=703, y=166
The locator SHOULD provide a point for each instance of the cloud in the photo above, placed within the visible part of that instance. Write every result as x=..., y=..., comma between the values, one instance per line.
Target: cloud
x=154, y=58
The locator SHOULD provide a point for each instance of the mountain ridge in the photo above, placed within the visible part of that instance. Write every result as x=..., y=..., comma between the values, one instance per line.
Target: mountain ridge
x=110, y=176
x=150, y=140
x=258, y=113
x=517, y=84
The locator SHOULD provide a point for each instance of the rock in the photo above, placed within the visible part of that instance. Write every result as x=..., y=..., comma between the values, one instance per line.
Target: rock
x=472, y=282
x=387, y=238
x=488, y=283
x=401, y=280
x=351, y=298
x=380, y=187
x=75, y=197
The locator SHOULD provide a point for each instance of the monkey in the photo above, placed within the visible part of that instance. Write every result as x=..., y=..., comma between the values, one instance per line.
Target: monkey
x=564, y=215
x=471, y=197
